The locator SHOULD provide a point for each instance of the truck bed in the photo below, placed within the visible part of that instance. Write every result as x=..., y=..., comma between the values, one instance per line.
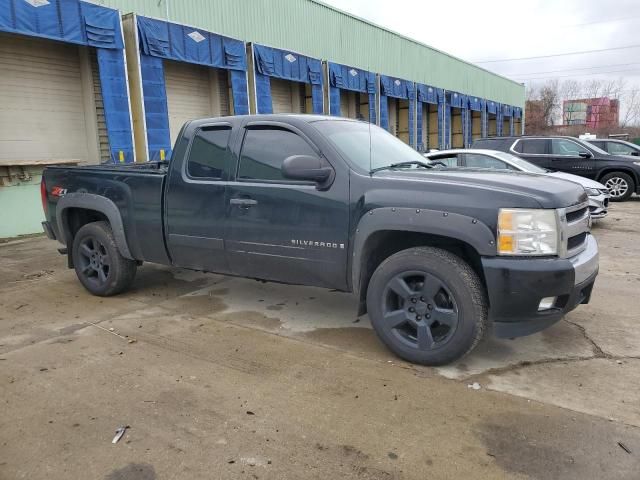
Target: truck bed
x=137, y=191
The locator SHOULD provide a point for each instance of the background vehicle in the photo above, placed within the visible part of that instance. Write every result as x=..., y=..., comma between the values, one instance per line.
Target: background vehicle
x=433, y=256
x=492, y=159
x=616, y=147
x=620, y=174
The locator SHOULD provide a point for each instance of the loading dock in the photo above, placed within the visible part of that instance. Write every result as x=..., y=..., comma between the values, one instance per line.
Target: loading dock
x=429, y=115
x=63, y=85
x=352, y=92
x=283, y=81
x=455, y=120
x=507, y=120
x=474, y=119
x=179, y=73
x=492, y=119
x=517, y=121
x=397, y=107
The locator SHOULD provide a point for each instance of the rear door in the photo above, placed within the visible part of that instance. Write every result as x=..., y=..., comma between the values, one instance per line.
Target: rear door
x=566, y=157
x=285, y=230
x=195, y=200
x=534, y=150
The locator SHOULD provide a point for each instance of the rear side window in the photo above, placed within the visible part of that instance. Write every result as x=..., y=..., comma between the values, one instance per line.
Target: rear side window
x=599, y=145
x=474, y=160
x=208, y=153
x=265, y=148
x=536, y=146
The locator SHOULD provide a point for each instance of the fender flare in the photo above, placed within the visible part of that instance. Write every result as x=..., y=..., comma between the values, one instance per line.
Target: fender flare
x=90, y=201
x=434, y=222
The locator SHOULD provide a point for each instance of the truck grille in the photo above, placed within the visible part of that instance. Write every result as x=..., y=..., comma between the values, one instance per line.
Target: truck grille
x=575, y=225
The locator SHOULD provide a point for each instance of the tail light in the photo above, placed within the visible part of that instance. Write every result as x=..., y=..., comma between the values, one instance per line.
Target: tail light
x=43, y=195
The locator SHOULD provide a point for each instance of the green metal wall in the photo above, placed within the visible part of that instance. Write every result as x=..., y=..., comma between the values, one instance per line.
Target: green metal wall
x=315, y=29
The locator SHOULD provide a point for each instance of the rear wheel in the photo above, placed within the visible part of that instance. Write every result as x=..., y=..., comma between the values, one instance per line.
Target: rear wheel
x=620, y=185
x=98, y=263
x=427, y=305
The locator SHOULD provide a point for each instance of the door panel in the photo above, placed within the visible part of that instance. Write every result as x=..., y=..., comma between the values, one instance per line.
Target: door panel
x=285, y=231
x=565, y=158
x=196, y=206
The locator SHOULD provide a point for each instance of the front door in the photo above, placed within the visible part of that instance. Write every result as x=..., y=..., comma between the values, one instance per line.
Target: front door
x=280, y=229
x=196, y=206
x=571, y=157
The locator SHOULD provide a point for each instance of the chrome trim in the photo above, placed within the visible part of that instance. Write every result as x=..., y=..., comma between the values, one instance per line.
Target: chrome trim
x=586, y=263
x=568, y=230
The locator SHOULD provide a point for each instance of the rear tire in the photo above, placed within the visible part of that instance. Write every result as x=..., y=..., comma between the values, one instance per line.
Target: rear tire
x=620, y=185
x=98, y=263
x=427, y=305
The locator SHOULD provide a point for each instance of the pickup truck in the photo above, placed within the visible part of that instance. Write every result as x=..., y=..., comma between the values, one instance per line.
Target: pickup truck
x=436, y=258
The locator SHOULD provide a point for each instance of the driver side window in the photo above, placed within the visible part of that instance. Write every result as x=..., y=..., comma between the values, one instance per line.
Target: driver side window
x=562, y=146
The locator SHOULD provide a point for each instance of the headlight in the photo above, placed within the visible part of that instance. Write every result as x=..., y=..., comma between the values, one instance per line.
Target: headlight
x=592, y=192
x=527, y=232
x=637, y=163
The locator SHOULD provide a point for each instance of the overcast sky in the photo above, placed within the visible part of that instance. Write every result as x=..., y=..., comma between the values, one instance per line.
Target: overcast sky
x=507, y=29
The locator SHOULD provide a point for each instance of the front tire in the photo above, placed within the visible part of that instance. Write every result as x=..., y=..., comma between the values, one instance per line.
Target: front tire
x=98, y=263
x=427, y=306
x=620, y=185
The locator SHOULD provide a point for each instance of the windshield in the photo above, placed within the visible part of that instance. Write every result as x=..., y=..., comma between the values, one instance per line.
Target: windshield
x=367, y=146
x=519, y=163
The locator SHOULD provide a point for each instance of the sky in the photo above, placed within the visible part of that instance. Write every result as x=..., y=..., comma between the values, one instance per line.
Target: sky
x=508, y=29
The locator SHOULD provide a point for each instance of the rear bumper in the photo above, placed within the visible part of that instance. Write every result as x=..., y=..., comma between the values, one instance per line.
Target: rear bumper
x=516, y=287
x=46, y=226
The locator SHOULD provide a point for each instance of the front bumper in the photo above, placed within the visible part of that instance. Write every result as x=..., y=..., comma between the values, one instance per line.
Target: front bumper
x=516, y=287
x=599, y=206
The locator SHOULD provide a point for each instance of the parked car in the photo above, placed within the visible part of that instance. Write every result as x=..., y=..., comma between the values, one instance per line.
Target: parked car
x=494, y=160
x=616, y=147
x=435, y=257
x=620, y=174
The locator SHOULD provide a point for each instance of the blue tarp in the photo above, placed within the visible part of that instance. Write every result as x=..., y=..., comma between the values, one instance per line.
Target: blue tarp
x=343, y=77
x=166, y=40
x=492, y=107
x=507, y=110
x=287, y=65
x=172, y=41
x=401, y=89
x=83, y=23
x=517, y=112
x=475, y=104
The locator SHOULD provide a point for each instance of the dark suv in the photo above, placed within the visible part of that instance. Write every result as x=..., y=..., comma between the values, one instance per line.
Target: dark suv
x=621, y=175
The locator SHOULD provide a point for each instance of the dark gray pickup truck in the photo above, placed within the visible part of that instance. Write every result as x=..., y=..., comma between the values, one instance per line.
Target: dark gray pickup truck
x=437, y=258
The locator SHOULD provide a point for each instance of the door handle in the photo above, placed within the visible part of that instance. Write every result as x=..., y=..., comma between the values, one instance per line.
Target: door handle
x=243, y=202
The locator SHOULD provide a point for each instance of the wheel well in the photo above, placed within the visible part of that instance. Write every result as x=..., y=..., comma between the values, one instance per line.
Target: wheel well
x=381, y=245
x=629, y=172
x=76, y=218
x=73, y=220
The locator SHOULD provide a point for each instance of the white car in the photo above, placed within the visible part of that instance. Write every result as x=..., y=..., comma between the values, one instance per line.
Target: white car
x=492, y=159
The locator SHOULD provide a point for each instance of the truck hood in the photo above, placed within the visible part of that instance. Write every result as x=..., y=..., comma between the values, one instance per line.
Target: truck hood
x=548, y=191
x=585, y=182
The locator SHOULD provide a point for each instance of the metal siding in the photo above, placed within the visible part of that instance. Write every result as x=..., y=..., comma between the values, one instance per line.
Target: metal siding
x=345, y=39
x=42, y=114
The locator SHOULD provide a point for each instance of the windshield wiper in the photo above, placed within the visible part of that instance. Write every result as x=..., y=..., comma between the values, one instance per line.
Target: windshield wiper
x=402, y=164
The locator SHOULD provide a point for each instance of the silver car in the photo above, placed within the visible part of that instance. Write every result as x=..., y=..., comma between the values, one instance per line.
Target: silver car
x=492, y=159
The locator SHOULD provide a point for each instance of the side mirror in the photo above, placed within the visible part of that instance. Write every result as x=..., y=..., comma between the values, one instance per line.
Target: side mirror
x=584, y=154
x=306, y=167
